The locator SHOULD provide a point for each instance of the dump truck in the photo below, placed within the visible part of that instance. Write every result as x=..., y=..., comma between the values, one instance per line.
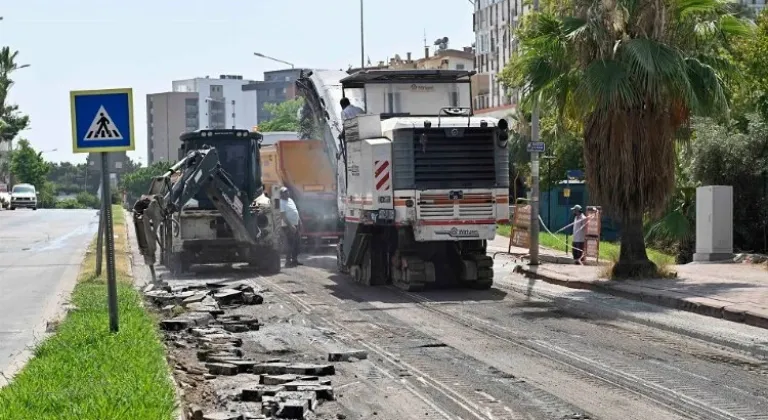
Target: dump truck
x=301, y=166
x=210, y=207
x=421, y=182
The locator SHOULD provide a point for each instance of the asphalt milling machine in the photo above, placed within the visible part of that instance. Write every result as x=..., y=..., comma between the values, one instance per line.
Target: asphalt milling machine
x=421, y=182
x=210, y=207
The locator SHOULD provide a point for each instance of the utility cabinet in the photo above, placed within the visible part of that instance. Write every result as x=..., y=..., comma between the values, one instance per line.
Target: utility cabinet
x=714, y=223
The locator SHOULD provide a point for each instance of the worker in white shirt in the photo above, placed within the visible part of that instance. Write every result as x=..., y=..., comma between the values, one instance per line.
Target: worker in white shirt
x=348, y=110
x=579, y=234
x=290, y=217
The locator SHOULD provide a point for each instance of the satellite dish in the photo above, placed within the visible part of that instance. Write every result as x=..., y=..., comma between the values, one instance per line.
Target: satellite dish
x=445, y=40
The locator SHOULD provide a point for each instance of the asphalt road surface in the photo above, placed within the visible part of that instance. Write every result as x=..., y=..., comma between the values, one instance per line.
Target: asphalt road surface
x=40, y=254
x=501, y=354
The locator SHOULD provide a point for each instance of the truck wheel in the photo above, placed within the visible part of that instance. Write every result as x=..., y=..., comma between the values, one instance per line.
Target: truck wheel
x=13, y=208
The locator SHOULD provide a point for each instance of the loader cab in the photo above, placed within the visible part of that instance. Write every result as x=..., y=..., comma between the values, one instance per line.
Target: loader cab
x=239, y=156
x=410, y=93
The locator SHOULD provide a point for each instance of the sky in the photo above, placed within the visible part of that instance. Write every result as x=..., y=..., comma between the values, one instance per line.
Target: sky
x=145, y=44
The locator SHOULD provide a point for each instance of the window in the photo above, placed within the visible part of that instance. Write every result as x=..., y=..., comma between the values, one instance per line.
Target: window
x=393, y=102
x=459, y=66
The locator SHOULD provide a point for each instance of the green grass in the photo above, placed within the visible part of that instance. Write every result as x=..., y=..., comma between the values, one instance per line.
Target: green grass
x=609, y=251
x=85, y=372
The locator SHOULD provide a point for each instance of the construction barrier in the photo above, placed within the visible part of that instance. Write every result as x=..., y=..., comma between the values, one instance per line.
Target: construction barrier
x=521, y=225
x=593, y=229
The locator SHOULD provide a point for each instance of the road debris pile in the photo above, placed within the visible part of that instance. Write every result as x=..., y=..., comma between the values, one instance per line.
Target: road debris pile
x=202, y=323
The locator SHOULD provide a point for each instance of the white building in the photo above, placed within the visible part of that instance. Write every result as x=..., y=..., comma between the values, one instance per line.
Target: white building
x=222, y=102
x=756, y=5
x=494, y=23
x=193, y=104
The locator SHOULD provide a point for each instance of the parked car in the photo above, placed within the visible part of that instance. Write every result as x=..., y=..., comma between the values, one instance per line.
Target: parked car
x=24, y=195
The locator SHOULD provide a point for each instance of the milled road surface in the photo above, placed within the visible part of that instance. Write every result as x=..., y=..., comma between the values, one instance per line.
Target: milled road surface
x=40, y=256
x=503, y=355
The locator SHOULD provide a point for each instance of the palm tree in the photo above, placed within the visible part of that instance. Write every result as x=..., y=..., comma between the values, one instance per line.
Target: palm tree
x=8, y=65
x=633, y=72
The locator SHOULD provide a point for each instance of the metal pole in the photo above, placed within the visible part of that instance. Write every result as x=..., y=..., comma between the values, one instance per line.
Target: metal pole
x=110, y=239
x=568, y=205
x=100, y=238
x=549, y=194
x=534, y=226
x=362, y=38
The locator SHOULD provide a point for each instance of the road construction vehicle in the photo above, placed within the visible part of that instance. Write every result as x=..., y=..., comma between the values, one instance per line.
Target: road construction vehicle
x=421, y=181
x=301, y=166
x=210, y=206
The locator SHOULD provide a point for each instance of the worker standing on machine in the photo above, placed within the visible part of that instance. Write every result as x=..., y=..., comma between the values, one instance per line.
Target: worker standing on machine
x=348, y=110
x=290, y=215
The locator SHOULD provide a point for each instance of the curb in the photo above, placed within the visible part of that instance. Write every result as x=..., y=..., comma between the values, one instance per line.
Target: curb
x=743, y=313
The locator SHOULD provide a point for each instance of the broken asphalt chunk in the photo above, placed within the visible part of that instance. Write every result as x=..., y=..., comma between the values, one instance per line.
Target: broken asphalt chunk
x=195, y=298
x=274, y=368
x=255, y=393
x=346, y=356
x=277, y=379
x=322, y=392
x=252, y=299
x=222, y=415
x=176, y=324
x=228, y=296
x=293, y=409
x=224, y=369
x=310, y=369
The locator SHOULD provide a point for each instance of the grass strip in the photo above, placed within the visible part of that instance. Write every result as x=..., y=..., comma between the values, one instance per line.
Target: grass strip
x=85, y=372
x=609, y=251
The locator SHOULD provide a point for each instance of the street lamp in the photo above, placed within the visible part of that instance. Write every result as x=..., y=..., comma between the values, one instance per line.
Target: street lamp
x=273, y=59
x=362, y=38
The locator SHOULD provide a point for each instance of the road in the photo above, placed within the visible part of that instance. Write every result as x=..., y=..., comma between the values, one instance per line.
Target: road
x=40, y=255
x=502, y=354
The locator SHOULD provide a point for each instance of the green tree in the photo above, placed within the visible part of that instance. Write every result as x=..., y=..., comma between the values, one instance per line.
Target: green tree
x=740, y=159
x=136, y=183
x=751, y=93
x=285, y=116
x=28, y=165
x=632, y=72
x=12, y=122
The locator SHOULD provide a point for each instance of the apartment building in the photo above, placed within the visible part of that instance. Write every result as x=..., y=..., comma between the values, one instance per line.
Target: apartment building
x=198, y=103
x=278, y=86
x=168, y=115
x=222, y=102
x=494, y=23
x=442, y=58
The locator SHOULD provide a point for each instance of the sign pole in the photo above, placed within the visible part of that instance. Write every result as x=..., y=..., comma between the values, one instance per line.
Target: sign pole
x=110, y=239
x=100, y=237
x=102, y=122
x=534, y=147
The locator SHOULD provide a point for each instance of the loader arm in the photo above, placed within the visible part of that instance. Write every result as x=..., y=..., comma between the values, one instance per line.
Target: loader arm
x=201, y=170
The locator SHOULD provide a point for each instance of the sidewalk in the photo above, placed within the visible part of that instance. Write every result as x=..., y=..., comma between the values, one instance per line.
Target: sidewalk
x=735, y=292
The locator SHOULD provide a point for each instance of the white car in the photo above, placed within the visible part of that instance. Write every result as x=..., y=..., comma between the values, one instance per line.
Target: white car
x=24, y=195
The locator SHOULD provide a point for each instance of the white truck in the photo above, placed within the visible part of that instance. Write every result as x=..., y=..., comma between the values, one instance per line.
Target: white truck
x=421, y=181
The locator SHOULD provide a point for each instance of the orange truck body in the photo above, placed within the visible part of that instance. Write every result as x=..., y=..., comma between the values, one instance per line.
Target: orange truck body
x=302, y=166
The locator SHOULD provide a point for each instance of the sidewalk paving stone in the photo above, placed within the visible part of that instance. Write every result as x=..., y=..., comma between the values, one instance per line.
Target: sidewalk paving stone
x=735, y=292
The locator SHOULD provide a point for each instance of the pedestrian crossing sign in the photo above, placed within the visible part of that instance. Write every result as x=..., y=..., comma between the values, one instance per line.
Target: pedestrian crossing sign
x=102, y=120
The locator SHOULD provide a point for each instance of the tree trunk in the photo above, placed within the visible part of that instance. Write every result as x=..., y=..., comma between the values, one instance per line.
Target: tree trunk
x=633, y=260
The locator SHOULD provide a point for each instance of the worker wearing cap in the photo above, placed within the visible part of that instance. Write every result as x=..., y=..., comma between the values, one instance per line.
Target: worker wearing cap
x=579, y=234
x=290, y=217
